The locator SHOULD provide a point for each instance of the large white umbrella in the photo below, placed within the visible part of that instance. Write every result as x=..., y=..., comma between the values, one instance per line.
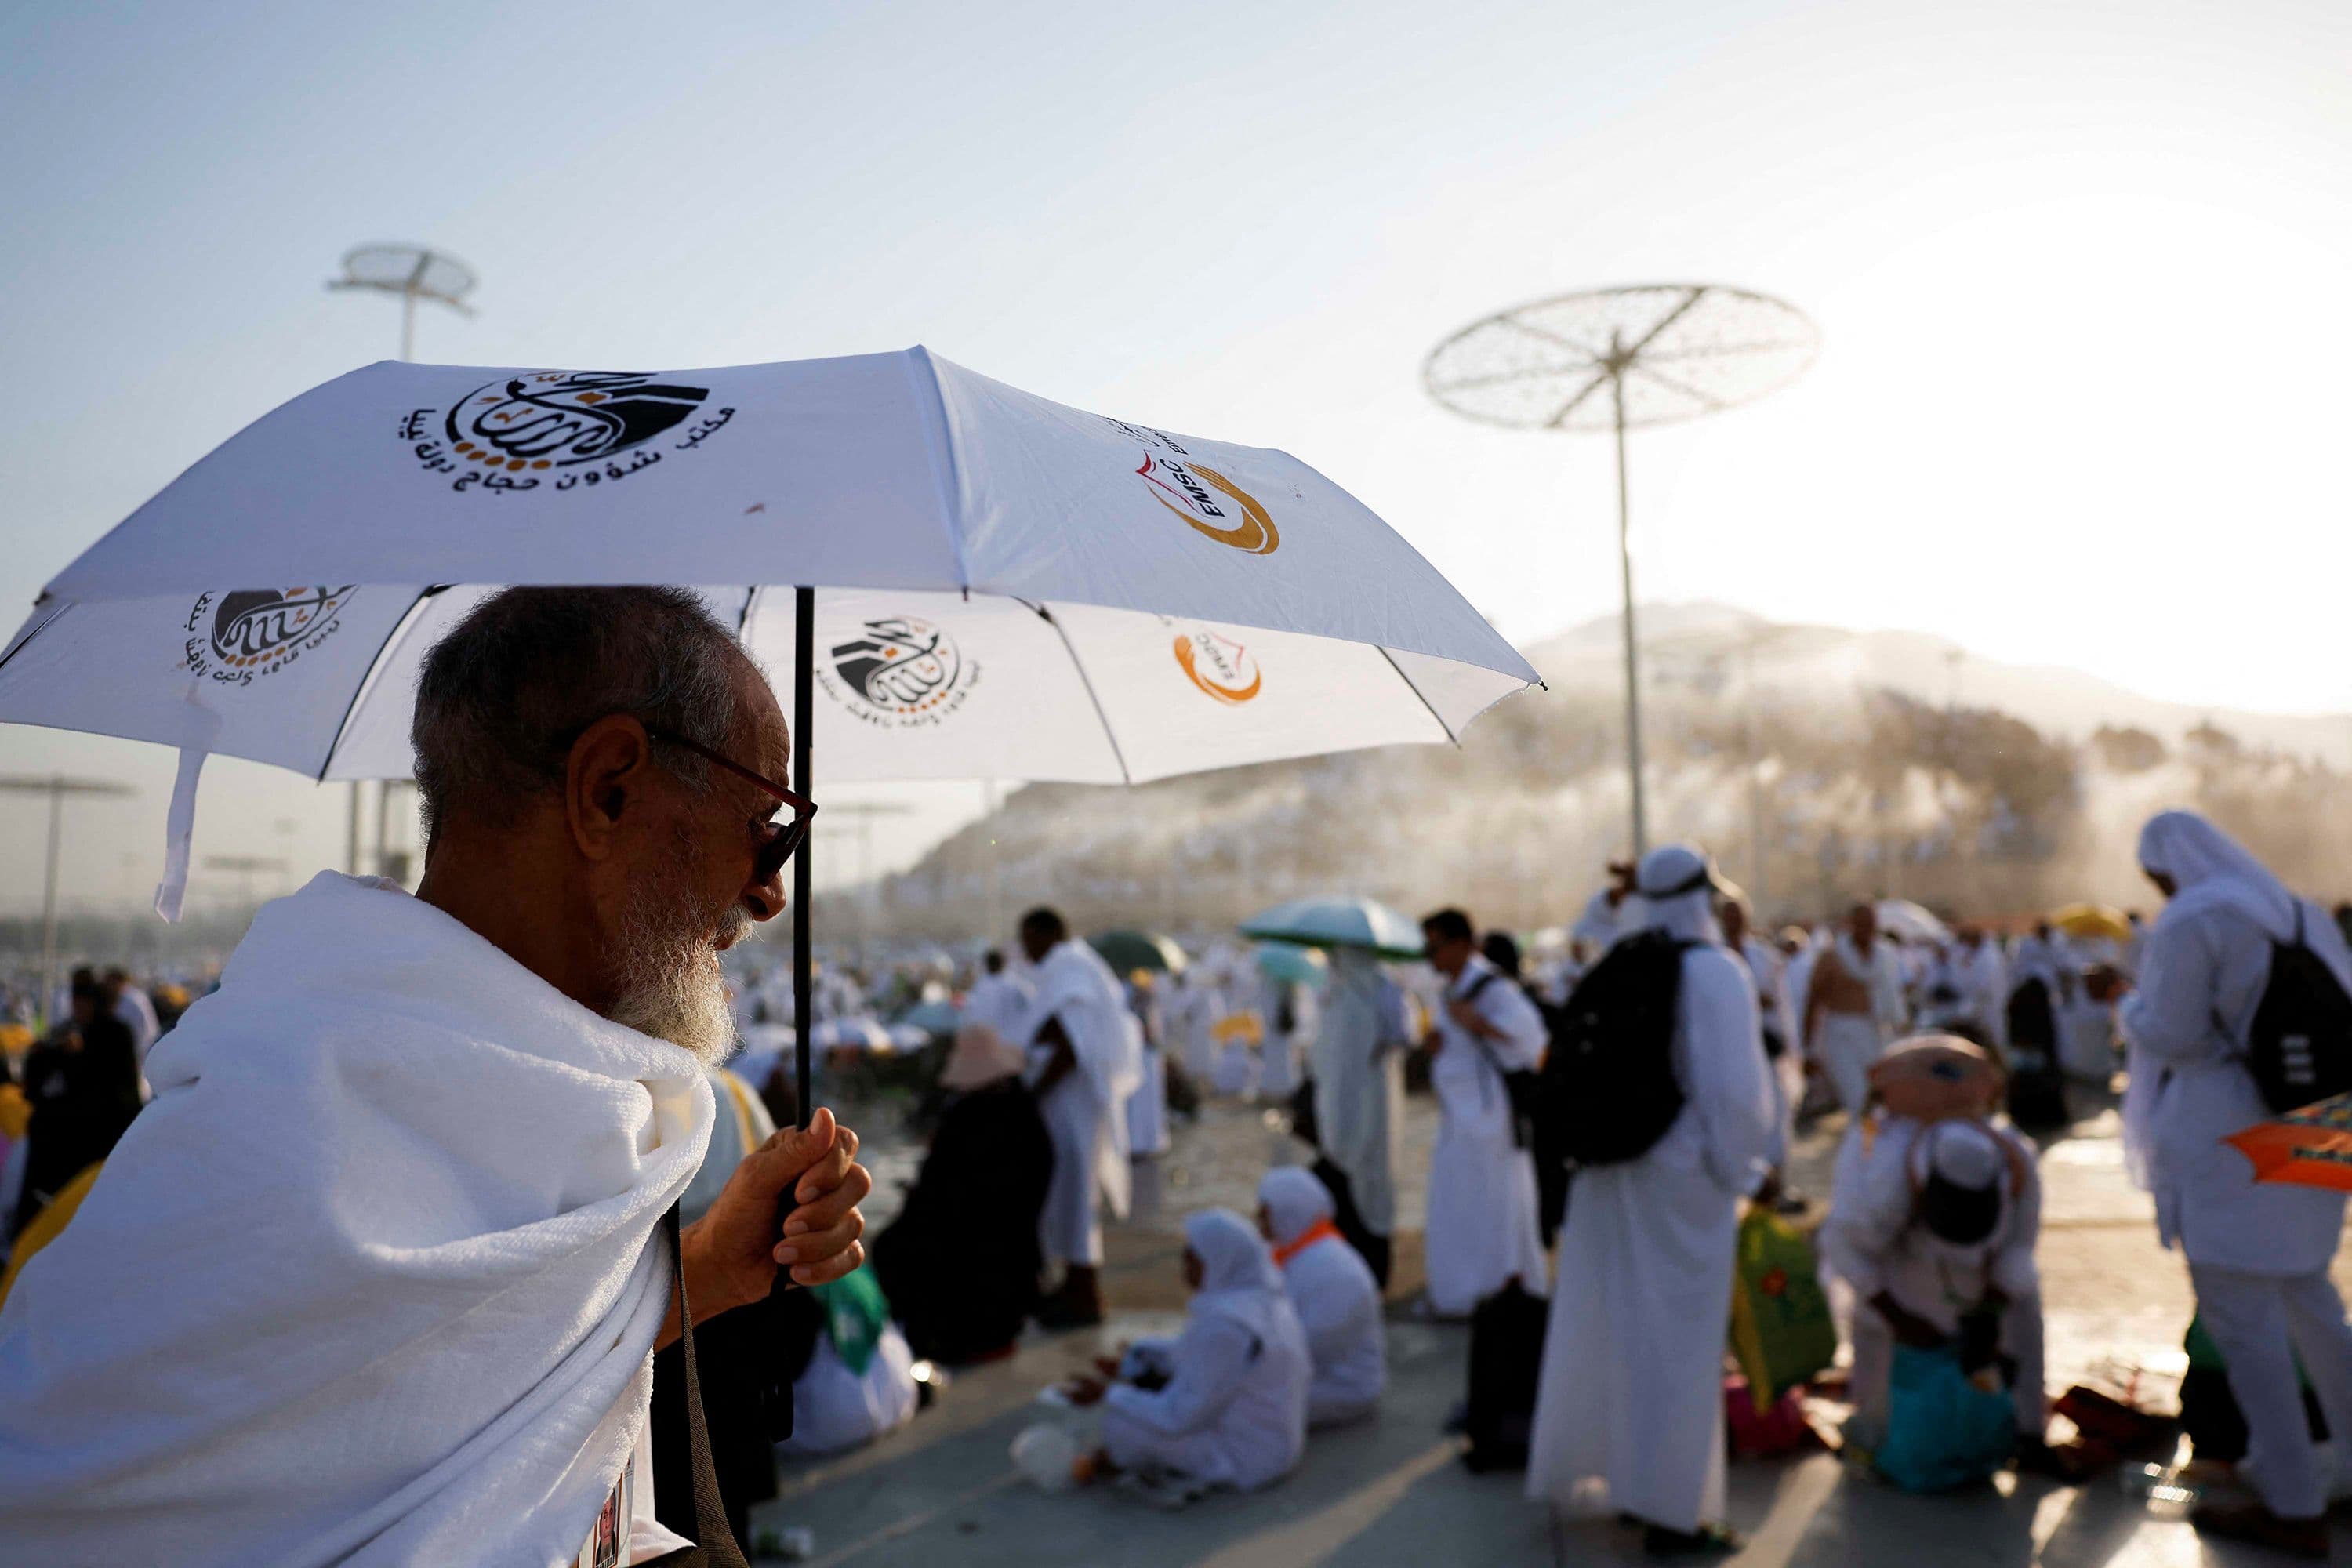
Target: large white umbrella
x=982, y=582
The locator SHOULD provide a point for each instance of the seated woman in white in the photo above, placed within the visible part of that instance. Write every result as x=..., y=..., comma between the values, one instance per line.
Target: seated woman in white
x=1332, y=1290
x=860, y=1378
x=1223, y=1404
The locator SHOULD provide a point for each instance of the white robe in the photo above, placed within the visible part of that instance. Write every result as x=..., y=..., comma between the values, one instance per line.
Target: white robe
x=1278, y=1061
x=1786, y=1072
x=1338, y=1300
x=1193, y=1021
x=1632, y=1370
x=1872, y=1242
x=374, y=1280
x=1234, y=1410
x=835, y=1409
x=1483, y=1229
x=1086, y=1112
x=1846, y=1044
x=1001, y=1000
x=1359, y=1083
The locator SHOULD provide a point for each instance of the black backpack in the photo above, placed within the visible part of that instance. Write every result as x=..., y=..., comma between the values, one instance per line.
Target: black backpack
x=2300, y=1048
x=1507, y=1343
x=1609, y=1090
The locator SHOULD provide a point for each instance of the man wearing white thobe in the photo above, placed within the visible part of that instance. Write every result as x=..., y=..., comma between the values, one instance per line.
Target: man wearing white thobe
x=1632, y=1371
x=2258, y=1252
x=136, y=1012
x=1483, y=1229
x=1086, y=1059
x=1765, y=967
x=1853, y=1005
x=1000, y=999
x=1358, y=1067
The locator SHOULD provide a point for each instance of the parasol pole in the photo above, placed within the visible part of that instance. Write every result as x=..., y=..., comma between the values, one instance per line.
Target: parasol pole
x=1625, y=569
x=803, y=706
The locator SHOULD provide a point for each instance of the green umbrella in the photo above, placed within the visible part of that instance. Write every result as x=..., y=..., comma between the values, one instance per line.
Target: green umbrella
x=1332, y=921
x=1128, y=951
x=1282, y=961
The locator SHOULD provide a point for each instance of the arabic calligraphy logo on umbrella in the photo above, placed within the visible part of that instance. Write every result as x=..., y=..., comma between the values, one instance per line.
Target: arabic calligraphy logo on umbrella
x=900, y=671
x=260, y=631
x=570, y=428
x=1220, y=666
x=1207, y=500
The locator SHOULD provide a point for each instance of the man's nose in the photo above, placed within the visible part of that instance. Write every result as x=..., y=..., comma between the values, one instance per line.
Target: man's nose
x=765, y=900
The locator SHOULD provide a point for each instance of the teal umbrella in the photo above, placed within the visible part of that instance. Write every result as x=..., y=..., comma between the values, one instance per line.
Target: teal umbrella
x=933, y=1017
x=1128, y=951
x=1282, y=961
x=1333, y=922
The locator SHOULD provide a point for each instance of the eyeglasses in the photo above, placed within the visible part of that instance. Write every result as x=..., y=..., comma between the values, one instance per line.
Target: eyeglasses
x=782, y=839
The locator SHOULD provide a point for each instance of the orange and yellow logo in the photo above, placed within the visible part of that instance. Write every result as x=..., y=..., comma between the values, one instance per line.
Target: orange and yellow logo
x=1220, y=667
x=1208, y=501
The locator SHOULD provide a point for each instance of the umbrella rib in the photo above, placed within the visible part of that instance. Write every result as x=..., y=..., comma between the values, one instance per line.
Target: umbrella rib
x=1046, y=615
x=367, y=681
x=26, y=640
x=1416, y=690
x=944, y=468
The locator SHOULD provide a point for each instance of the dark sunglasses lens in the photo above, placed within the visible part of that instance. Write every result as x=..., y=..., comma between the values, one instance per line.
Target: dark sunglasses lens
x=776, y=851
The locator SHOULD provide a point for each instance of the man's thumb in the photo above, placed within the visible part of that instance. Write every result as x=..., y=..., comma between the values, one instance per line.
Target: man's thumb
x=794, y=1149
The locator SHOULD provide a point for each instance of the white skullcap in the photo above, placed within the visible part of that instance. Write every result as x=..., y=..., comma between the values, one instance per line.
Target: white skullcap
x=1964, y=1154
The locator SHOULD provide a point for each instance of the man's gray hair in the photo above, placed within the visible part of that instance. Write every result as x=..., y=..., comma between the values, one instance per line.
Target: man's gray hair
x=502, y=696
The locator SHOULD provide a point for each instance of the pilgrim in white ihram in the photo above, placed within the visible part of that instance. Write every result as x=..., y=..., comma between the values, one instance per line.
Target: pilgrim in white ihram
x=1334, y=1294
x=2258, y=1253
x=1632, y=1393
x=1231, y=1411
x=1483, y=1230
x=1086, y=1112
x=1853, y=1007
x=1359, y=1061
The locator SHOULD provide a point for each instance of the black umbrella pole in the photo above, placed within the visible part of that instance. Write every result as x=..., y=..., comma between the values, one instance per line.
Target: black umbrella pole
x=803, y=988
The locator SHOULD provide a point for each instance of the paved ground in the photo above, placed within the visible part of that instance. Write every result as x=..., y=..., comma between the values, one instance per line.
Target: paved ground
x=1393, y=1491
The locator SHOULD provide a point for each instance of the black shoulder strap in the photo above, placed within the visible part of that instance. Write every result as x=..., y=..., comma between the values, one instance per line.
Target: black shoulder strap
x=1486, y=978
x=715, y=1543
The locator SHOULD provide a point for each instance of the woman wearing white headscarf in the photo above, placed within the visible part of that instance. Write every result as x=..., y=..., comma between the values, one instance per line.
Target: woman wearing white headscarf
x=1632, y=1371
x=1333, y=1292
x=2258, y=1253
x=1231, y=1411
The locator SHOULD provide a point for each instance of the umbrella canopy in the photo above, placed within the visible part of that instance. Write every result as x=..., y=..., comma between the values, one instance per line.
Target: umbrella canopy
x=2311, y=1147
x=1912, y=922
x=2092, y=919
x=1011, y=587
x=1335, y=921
x=1284, y=962
x=1128, y=951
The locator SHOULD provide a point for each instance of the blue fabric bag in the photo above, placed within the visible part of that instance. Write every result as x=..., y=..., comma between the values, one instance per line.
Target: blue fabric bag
x=1942, y=1431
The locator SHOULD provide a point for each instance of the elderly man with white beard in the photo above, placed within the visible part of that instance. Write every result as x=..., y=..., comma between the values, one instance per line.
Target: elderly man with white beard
x=380, y=1275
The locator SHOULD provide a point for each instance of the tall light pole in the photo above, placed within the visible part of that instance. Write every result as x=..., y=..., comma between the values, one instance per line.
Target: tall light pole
x=57, y=787
x=1662, y=352
x=413, y=272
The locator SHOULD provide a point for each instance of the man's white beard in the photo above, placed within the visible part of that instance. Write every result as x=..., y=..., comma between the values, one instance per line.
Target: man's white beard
x=671, y=987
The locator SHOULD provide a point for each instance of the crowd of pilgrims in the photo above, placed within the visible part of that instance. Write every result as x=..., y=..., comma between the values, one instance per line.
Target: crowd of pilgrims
x=1052, y=1076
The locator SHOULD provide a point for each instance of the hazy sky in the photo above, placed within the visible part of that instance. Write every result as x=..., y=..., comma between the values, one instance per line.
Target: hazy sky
x=2084, y=273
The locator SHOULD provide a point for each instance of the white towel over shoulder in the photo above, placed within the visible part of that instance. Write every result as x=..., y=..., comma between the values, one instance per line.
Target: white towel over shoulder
x=374, y=1280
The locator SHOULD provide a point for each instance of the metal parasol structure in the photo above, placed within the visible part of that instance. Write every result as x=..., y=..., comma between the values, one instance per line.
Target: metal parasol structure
x=1618, y=360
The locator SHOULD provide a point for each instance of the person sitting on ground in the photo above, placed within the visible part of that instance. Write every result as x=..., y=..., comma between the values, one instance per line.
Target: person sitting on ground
x=1332, y=1290
x=961, y=1263
x=1223, y=1404
x=859, y=1378
x=1933, y=1225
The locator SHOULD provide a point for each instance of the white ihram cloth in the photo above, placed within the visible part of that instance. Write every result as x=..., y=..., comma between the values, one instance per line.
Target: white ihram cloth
x=1483, y=1230
x=1846, y=1044
x=1359, y=1083
x=1332, y=1290
x=374, y=1280
x=1147, y=1108
x=1874, y=1242
x=1001, y=1000
x=2258, y=1253
x=1192, y=1023
x=1632, y=1393
x=1232, y=1412
x=1086, y=1111
x=1786, y=1073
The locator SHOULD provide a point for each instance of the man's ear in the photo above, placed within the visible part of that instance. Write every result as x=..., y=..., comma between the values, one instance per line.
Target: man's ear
x=604, y=777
